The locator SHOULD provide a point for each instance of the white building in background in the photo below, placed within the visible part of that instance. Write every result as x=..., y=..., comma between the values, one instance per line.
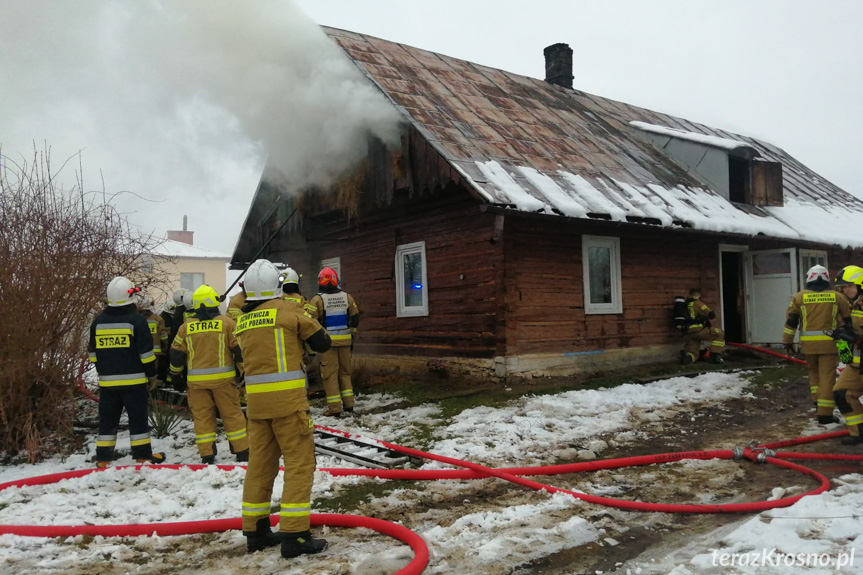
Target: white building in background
x=184, y=265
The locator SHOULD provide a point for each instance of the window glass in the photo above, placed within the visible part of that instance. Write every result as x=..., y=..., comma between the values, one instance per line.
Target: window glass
x=191, y=281
x=413, y=279
x=772, y=263
x=600, y=274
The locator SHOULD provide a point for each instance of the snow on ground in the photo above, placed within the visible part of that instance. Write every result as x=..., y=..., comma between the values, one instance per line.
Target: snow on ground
x=479, y=538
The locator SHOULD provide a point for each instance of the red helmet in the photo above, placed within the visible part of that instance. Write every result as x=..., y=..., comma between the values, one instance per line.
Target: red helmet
x=328, y=277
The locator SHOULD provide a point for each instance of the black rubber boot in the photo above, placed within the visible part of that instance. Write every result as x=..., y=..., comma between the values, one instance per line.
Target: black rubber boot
x=210, y=459
x=851, y=440
x=262, y=537
x=716, y=358
x=827, y=419
x=243, y=456
x=302, y=543
x=685, y=358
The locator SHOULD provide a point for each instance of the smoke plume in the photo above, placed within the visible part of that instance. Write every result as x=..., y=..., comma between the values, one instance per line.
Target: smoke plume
x=182, y=102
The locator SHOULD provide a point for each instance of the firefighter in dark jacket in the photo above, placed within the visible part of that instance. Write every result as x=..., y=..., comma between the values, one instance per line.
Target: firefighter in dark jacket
x=206, y=346
x=817, y=311
x=121, y=346
x=167, y=316
x=849, y=386
x=699, y=329
x=337, y=311
x=159, y=332
x=272, y=333
x=179, y=313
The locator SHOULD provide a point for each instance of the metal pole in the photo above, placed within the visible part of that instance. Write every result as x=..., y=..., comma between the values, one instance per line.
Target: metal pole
x=260, y=251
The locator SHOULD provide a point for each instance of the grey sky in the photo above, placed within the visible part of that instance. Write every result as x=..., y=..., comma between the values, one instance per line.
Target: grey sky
x=181, y=101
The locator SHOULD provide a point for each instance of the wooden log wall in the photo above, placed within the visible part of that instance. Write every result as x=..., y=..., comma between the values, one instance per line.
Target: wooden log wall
x=545, y=295
x=463, y=262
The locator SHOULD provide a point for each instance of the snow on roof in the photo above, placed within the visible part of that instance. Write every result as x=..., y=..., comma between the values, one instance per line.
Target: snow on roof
x=716, y=142
x=536, y=147
x=572, y=195
x=175, y=249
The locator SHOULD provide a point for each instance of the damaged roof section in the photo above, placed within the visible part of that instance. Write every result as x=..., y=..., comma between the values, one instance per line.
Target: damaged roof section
x=533, y=146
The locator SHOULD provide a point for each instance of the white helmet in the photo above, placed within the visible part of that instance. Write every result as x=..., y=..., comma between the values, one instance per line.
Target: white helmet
x=263, y=281
x=290, y=276
x=187, y=300
x=816, y=273
x=178, y=296
x=145, y=302
x=169, y=306
x=121, y=292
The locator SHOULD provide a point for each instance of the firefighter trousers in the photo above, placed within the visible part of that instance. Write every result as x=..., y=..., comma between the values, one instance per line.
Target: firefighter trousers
x=205, y=403
x=692, y=341
x=292, y=438
x=112, y=401
x=822, y=378
x=851, y=383
x=336, y=373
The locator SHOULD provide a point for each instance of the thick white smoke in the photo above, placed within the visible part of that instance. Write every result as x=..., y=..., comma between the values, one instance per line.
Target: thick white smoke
x=183, y=100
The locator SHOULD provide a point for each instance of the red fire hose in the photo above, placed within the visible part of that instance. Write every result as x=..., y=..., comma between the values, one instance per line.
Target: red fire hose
x=767, y=351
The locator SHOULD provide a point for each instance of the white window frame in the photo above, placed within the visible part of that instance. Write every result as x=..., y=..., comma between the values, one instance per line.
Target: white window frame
x=613, y=244
x=194, y=287
x=401, y=309
x=336, y=264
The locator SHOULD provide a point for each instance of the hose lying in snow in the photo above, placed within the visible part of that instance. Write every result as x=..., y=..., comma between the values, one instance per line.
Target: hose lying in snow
x=405, y=535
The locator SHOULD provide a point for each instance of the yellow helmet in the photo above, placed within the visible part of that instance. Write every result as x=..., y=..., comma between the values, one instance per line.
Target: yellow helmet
x=205, y=296
x=850, y=275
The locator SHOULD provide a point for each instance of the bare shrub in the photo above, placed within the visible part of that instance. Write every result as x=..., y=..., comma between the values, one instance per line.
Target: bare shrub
x=58, y=249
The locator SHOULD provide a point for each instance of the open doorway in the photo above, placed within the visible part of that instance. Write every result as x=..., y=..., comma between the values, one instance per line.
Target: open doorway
x=733, y=303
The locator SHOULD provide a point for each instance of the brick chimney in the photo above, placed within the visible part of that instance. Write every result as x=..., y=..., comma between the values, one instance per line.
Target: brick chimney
x=184, y=236
x=558, y=65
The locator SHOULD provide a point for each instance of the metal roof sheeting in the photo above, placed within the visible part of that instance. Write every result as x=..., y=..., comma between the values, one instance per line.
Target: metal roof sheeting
x=542, y=148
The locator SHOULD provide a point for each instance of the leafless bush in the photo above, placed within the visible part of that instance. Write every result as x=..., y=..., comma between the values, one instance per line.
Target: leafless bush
x=59, y=246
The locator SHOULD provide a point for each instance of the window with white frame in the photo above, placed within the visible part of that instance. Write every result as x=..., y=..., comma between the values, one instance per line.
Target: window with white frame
x=411, y=289
x=336, y=264
x=601, y=263
x=191, y=281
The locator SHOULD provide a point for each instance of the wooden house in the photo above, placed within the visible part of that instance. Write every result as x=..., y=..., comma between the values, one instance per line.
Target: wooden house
x=527, y=228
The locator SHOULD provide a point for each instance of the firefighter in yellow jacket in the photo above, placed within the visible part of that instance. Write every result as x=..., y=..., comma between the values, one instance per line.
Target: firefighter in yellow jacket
x=271, y=333
x=206, y=345
x=159, y=332
x=236, y=303
x=699, y=329
x=816, y=311
x=338, y=313
x=849, y=387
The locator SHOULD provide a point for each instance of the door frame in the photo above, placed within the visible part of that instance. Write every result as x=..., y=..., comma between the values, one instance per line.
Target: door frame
x=741, y=249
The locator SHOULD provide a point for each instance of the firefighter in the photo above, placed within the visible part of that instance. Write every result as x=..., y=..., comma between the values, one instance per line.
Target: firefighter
x=698, y=329
x=121, y=346
x=337, y=311
x=236, y=303
x=206, y=346
x=179, y=313
x=159, y=333
x=849, y=387
x=291, y=289
x=817, y=311
x=167, y=316
x=271, y=333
